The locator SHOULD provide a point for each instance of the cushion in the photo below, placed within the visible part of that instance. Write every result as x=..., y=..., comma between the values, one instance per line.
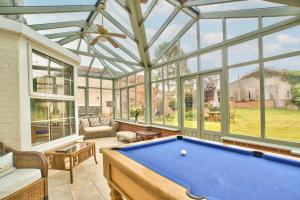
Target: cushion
x=6, y=164
x=85, y=122
x=105, y=121
x=17, y=180
x=98, y=129
x=126, y=135
x=94, y=121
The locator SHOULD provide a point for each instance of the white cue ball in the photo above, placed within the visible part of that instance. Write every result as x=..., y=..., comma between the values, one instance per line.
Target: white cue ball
x=183, y=152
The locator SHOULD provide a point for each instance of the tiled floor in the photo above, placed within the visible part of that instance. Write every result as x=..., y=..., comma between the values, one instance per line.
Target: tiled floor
x=89, y=182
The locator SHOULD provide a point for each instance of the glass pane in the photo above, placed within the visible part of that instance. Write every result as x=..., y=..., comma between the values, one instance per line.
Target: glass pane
x=156, y=74
x=211, y=32
x=94, y=82
x=140, y=77
x=157, y=17
x=94, y=101
x=170, y=71
x=40, y=74
x=240, y=26
x=168, y=34
x=131, y=102
x=58, y=3
x=188, y=66
x=140, y=101
x=211, y=60
x=72, y=45
x=267, y=21
x=123, y=82
x=244, y=102
x=212, y=101
x=249, y=4
x=55, y=17
x=81, y=102
x=131, y=80
x=124, y=104
x=56, y=80
x=243, y=52
x=282, y=99
x=190, y=103
x=118, y=104
x=107, y=103
x=85, y=60
x=174, y=52
x=282, y=42
x=58, y=30
x=157, y=103
x=39, y=121
x=188, y=42
x=171, y=108
x=81, y=81
x=107, y=84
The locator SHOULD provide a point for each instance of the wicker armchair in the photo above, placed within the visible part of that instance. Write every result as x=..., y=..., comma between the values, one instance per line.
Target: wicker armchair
x=33, y=160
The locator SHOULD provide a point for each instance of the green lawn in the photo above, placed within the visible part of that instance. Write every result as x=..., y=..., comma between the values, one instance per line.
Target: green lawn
x=281, y=124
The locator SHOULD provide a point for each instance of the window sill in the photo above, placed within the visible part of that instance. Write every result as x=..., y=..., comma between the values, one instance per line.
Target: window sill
x=293, y=150
x=148, y=126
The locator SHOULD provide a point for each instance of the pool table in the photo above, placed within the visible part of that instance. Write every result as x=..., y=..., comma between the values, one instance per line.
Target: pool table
x=157, y=170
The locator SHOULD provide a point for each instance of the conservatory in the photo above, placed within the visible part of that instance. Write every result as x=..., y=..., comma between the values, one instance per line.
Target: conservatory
x=184, y=90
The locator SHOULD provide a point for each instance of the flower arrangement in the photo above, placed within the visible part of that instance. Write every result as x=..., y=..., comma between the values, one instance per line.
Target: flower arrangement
x=135, y=112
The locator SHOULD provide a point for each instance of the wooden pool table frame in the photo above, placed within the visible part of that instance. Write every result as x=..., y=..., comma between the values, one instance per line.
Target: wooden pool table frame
x=134, y=181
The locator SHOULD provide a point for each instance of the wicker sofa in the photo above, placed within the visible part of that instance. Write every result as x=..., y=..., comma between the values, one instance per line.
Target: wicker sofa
x=97, y=127
x=29, y=180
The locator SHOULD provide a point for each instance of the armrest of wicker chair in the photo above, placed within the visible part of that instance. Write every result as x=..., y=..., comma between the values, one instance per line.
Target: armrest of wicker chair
x=31, y=159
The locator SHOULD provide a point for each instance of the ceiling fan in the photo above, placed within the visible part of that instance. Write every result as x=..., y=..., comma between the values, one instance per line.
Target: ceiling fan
x=104, y=34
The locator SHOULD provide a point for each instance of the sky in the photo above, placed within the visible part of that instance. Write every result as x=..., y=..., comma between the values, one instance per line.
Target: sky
x=210, y=30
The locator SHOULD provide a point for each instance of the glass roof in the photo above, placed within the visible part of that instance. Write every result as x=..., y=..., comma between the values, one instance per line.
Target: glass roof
x=170, y=29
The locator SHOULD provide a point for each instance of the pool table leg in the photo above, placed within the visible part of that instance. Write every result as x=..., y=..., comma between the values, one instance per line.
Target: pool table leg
x=114, y=194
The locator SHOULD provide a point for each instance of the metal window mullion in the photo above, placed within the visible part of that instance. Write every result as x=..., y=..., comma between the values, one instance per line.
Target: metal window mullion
x=261, y=79
x=149, y=10
x=198, y=44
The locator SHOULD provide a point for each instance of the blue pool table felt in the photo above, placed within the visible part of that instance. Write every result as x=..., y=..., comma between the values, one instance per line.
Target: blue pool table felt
x=218, y=172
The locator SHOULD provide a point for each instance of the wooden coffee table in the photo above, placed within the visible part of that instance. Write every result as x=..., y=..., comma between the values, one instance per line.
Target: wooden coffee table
x=146, y=135
x=69, y=156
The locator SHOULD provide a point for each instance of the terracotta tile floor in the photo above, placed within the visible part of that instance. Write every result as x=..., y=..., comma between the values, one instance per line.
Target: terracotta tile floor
x=89, y=182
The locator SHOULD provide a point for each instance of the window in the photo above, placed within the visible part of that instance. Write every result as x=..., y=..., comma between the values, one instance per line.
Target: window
x=93, y=82
x=190, y=103
x=212, y=103
x=107, y=103
x=94, y=101
x=210, y=32
x=211, y=60
x=118, y=104
x=282, y=42
x=170, y=71
x=157, y=103
x=244, y=101
x=51, y=76
x=51, y=120
x=124, y=103
x=156, y=74
x=282, y=99
x=140, y=101
x=131, y=102
x=243, y=52
x=81, y=102
x=188, y=66
x=170, y=102
x=240, y=26
x=131, y=80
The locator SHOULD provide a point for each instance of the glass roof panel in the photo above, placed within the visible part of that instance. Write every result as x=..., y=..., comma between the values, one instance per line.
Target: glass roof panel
x=113, y=67
x=58, y=2
x=250, y=4
x=102, y=51
x=58, y=30
x=85, y=60
x=267, y=21
x=97, y=64
x=119, y=13
x=168, y=34
x=72, y=45
x=146, y=5
x=55, y=17
x=57, y=39
x=157, y=17
x=83, y=46
x=119, y=51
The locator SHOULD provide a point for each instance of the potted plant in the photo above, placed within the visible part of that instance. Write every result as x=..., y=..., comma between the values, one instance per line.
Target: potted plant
x=135, y=112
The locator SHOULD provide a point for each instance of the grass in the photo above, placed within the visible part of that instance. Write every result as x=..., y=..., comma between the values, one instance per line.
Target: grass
x=281, y=124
